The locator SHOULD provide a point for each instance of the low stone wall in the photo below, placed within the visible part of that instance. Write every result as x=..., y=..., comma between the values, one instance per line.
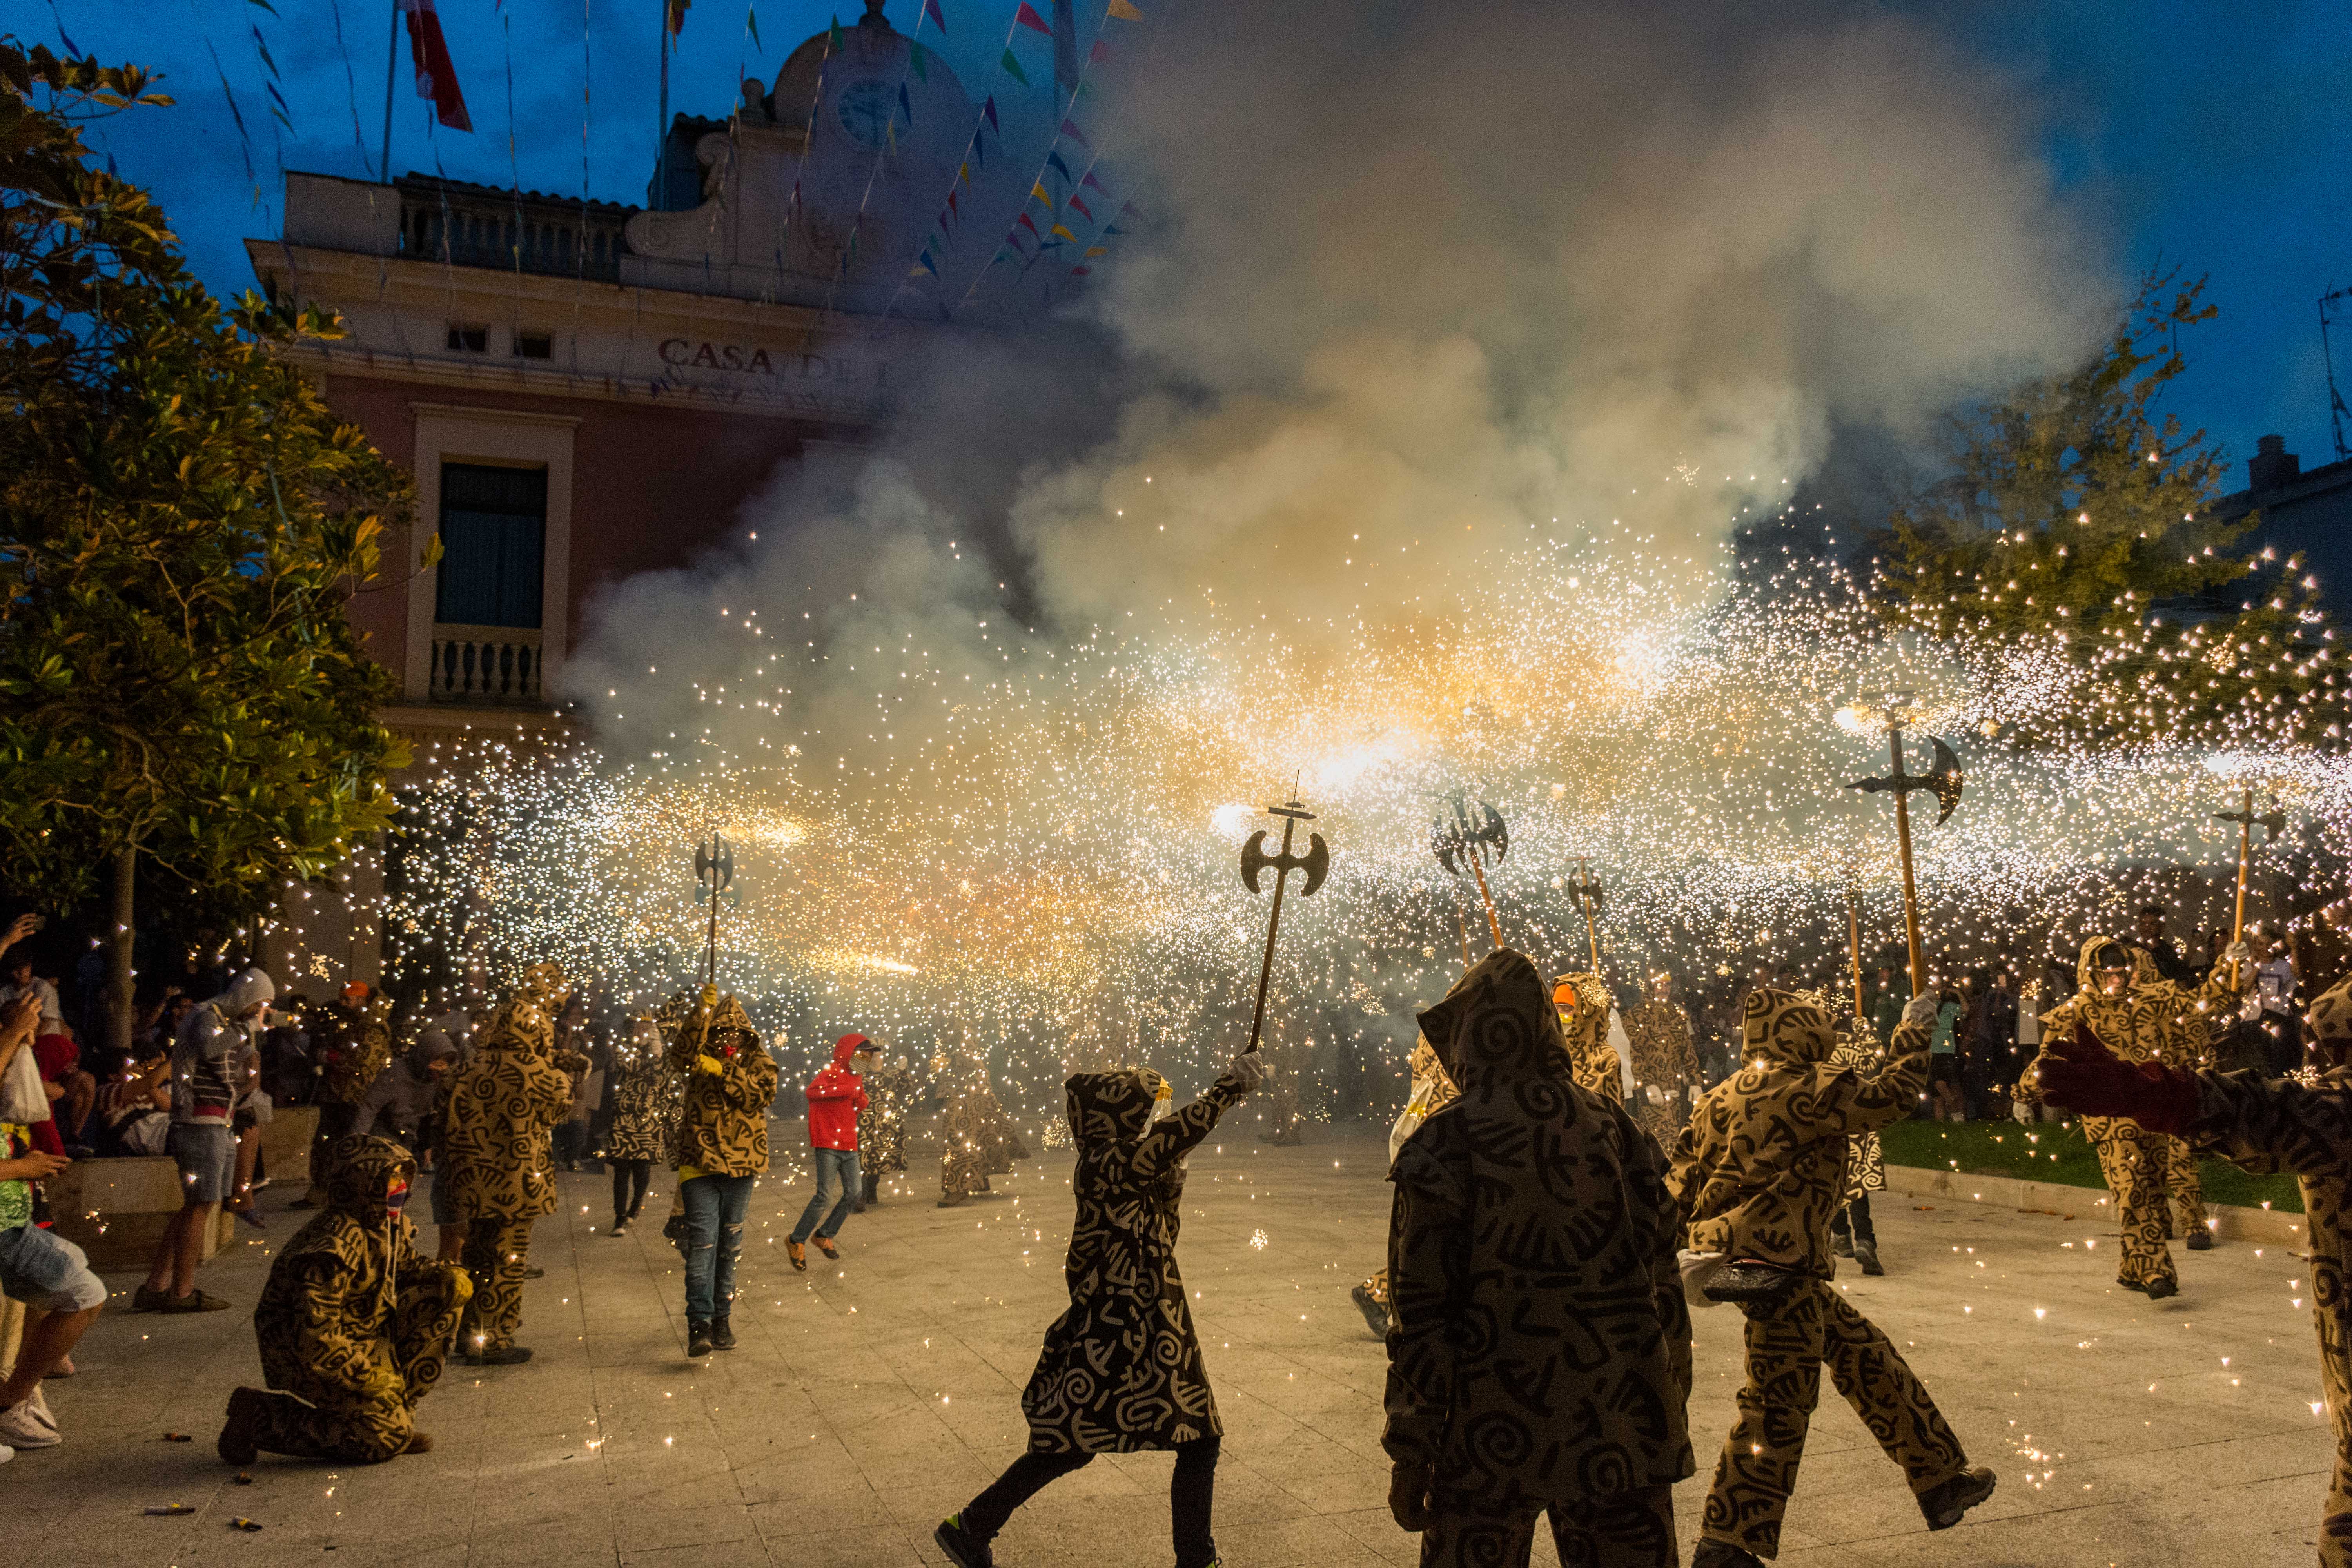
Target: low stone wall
x=2265, y=1226
x=115, y=1210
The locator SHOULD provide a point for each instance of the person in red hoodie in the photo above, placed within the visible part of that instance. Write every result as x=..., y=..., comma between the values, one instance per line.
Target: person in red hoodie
x=836, y=1096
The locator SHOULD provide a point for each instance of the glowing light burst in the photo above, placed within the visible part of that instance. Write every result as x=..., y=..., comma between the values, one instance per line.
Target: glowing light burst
x=1047, y=864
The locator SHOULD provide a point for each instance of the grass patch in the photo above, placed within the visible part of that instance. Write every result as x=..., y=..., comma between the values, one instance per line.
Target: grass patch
x=2056, y=1152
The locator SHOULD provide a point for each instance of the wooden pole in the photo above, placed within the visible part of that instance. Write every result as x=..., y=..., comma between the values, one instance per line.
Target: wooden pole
x=1910, y=886
x=1584, y=901
x=1273, y=926
x=1853, y=948
x=1493, y=926
x=2245, y=853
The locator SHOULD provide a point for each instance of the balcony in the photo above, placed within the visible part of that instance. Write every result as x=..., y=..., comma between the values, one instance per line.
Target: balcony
x=477, y=225
x=489, y=667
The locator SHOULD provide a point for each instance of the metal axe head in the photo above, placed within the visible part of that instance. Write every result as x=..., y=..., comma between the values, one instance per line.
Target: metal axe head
x=2273, y=824
x=1476, y=830
x=1945, y=779
x=1316, y=862
x=714, y=862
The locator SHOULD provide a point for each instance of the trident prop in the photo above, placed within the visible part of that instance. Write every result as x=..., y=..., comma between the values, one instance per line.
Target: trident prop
x=1945, y=778
x=1254, y=859
x=714, y=867
x=1588, y=898
x=2274, y=823
x=1468, y=838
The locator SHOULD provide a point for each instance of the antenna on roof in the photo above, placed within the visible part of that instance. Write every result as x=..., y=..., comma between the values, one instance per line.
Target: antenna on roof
x=2339, y=417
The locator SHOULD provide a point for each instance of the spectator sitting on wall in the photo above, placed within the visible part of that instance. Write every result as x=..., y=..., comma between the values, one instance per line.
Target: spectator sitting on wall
x=72, y=1092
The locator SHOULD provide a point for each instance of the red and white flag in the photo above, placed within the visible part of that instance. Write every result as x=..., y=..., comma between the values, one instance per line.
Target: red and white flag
x=436, y=78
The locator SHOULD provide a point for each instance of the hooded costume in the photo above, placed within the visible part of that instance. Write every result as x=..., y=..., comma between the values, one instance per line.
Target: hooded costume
x=1758, y=1172
x=1586, y=1004
x=1666, y=1074
x=406, y=1092
x=883, y=1136
x=648, y=1098
x=354, y=1325
x=351, y=1045
x=1540, y=1361
x=2146, y=1022
x=1121, y=1370
x=968, y=1140
x=730, y=1081
x=496, y=1114
x=2266, y=1127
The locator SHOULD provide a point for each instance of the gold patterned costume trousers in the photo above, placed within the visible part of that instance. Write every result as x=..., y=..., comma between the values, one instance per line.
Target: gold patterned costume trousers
x=2185, y=1187
x=367, y=1430
x=2138, y=1165
x=496, y=1252
x=1789, y=1340
x=1630, y=1529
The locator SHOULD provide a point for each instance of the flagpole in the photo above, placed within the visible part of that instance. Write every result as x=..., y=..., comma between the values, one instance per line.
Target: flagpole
x=661, y=126
x=391, y=70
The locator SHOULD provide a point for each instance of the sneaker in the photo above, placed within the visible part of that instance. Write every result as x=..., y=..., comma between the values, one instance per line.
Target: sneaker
x=824, y=1245
x=1713, y=1553
x=2200, y=1241
x=236, y=1446
x=21, y=1428
x=37, y=1404
x=511, y=1355
x=963, y=1549
x=1866, y=1254
x=620, y=1227
x=947, y=1203
x=147, y=1299
x=722, y=1335
x=193, y=1301
x=698, y=1340
x=1842, y=1243
x=2157, y=1289
x=1945, y=1503
x=535, y=1272
x=1376, y=1317
x=6, y=1453
x=798, y=1254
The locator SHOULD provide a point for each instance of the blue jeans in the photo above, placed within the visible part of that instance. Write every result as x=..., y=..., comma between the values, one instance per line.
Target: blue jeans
x=714, y=1239
x=837, y=1184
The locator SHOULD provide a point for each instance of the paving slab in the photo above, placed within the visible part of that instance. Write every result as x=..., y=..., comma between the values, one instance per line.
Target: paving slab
x=871, y=1395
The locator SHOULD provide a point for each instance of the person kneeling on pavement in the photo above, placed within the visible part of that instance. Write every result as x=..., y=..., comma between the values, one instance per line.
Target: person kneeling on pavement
x=355, y=1324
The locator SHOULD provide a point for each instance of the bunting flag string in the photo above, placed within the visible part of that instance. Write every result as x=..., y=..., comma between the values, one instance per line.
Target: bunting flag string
x=351, y=81
x=888, y=150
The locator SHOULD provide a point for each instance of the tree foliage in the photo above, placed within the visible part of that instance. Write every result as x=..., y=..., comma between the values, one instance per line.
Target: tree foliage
x=181, y=521
x=2080, y=520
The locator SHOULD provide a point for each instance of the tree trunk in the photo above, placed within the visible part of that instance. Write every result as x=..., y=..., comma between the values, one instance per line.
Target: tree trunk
x=121, y=1009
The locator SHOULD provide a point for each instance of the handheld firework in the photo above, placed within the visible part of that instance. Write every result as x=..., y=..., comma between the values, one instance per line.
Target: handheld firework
x=1315, y=863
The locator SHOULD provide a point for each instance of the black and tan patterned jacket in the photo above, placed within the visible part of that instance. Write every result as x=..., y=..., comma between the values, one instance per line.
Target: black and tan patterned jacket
x=648, y=1097
x=723, y=1127
x=351, y=1047
x=2155, y=1019
x=1761, y=1166
x=323, y=1315
x=1539, y=1349
x=1121, y=1370
x=1585, y=1002
x=497, y=1110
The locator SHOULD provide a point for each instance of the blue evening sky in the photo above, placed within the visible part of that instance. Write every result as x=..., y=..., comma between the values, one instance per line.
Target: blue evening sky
x=2214, y=136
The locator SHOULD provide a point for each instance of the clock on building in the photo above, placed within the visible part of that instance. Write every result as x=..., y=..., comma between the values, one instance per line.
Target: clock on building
x=865, y=110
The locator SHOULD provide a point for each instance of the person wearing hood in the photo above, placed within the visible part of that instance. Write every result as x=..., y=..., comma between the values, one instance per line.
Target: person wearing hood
x=1851, y=1233
x=1666, y=1074
x=1758, y=1171
x=836, y=1096
x=1539, y=1361
x=883, y=1150
x=722, y=1147
x=2266, y=1127
x=352, y=1041
x=355, y=1324
x=405, y=1094
x=967, y=1132
x=1121, y=1371
x=214, y=1040
x=648, y=1099
x=2138, y=1013
x=497, y=1111
x=1587, y=1010
x=1432, y=1091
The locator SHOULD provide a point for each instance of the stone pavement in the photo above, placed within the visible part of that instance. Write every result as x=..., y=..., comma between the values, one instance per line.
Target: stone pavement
x=870, y=1397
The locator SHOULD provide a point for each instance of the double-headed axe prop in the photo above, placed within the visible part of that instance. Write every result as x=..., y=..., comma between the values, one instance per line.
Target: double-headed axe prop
x=714, y=867
x=2274, y=823
x=1472, y=836
x=1945, y=778
x=1588, y=898
x=1254, y=859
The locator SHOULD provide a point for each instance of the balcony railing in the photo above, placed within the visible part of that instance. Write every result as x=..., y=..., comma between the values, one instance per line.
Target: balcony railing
x=491, y=666
x=526, y=232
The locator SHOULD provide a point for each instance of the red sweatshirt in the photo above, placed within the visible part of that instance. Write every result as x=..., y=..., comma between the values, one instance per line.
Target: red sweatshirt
x=836, y=1096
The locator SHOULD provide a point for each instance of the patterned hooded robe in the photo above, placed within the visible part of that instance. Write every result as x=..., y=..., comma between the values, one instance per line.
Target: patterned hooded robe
x=882, y=1136
x=1585, y=1002
x=1762, y=1165
x=351, y=1046
x=355, y=1320
x=1121, y=1370
x=648, y=1099
x=2289, y=1125
x=1541, y=1346
x=723, y=1127
x=497, y=1110
x=1857, y=1050
x=2150, y=1021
